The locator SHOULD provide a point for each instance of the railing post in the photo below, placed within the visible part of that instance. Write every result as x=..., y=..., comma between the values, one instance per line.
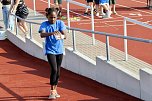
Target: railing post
x=125, y=40
x=92, y=20
x=34, y=5
x=68, y=14
x=107, y=48
x=48, y=3
x=74, y=40
x=16, y=25
x=11, y=22
x=31, y=37
x=148, y=1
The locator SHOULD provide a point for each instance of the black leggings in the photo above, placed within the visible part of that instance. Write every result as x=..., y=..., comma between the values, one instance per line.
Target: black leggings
x=55, y=64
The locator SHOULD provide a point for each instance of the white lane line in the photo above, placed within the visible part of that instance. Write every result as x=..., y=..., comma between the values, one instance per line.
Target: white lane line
x=148, y=22
x=122, y=25
x=130, y=12
x=139, y=1
x=115, y=26
x=134, y=9
x=113, y=19
x=106, y=21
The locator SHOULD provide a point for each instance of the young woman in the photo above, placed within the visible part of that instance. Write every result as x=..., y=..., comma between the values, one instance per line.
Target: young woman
x=54, y=31
x=17, y=7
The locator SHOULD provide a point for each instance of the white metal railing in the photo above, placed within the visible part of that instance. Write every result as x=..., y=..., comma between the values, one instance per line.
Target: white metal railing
x=68, y=13
x=29, y=22
x=125, y=31
x=107, y=39
x=149, y=4
x=34, y=7
x=95, y=32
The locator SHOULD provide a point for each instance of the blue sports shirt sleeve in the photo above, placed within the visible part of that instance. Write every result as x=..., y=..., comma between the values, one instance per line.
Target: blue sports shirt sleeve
x=42, y=28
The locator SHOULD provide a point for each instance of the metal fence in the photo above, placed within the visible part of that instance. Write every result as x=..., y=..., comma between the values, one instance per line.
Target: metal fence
x=73, y=30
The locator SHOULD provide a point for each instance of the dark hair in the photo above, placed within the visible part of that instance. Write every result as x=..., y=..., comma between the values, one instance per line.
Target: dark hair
x=51, y=10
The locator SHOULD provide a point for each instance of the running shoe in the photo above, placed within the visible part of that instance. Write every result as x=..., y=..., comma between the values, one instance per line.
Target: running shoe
x=52, y=94
x=57, y=95
x=86, y=14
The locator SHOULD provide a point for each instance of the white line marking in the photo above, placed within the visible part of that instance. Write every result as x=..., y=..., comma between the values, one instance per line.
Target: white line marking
x=115, y=25
x=139, y=1
x=81, y=23
x=134, y=9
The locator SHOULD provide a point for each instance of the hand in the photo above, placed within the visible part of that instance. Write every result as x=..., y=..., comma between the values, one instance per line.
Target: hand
x=58, y=35
x=10, y=12
x=13, y=12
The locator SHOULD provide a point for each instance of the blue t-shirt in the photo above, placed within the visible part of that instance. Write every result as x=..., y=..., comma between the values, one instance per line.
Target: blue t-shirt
x=52, y=45
x=103, y=1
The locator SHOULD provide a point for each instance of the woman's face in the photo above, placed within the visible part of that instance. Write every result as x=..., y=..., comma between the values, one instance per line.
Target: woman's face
x=52, y=17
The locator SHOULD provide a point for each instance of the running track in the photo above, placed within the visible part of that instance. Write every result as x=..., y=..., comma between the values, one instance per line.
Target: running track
x=25, y=78
x=135, y=9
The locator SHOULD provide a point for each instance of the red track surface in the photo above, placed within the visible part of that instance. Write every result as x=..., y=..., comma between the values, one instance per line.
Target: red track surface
x=23, y=77
x=133, y=9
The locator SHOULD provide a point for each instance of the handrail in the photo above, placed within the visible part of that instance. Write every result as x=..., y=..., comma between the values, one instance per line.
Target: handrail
x=68, y=13
x=85, y=6
x=95, y=32
x=138, y=22
x=25, y=20
x=125, y=31
x=113, y=35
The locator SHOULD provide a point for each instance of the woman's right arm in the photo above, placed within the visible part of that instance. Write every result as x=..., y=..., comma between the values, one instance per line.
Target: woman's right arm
x=43, y=34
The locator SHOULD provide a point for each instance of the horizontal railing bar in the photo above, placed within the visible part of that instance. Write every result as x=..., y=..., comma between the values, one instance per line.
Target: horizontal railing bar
x=37, y=18
x=112, y=35
x=101, y=33
x=138, y=23
x=26, y=20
